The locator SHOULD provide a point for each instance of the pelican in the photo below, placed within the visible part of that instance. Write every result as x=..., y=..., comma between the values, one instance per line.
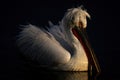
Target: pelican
x=59, y=47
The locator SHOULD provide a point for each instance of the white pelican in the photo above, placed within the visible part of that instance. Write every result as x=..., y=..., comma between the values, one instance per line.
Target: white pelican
x=59, y=47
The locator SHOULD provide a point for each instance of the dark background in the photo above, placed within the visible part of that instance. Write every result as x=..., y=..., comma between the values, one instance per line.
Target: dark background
x=103, y=29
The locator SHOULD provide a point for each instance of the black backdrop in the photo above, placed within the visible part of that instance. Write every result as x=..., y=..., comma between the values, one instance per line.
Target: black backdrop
x=102, y=28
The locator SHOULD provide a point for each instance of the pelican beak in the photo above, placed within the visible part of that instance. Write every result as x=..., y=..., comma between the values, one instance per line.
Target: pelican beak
x=81, y=34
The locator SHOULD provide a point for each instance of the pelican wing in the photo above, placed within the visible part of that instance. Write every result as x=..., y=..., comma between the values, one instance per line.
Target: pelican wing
x=41, y=45
x=60, y=35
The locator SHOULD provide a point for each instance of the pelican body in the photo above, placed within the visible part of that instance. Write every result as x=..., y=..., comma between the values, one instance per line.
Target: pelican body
x=56, y=46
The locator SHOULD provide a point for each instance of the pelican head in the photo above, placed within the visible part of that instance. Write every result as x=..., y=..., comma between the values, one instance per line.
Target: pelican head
x=76, y=17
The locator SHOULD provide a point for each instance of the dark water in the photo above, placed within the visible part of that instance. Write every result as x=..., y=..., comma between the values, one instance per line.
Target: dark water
x=102, y=31
x=57, y=76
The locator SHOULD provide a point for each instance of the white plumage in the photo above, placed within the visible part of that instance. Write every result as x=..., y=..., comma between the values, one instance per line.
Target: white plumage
x=56, y=47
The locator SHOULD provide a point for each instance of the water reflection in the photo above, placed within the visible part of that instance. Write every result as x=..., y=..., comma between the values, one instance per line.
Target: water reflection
x=56, y=75
x=74, y=76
